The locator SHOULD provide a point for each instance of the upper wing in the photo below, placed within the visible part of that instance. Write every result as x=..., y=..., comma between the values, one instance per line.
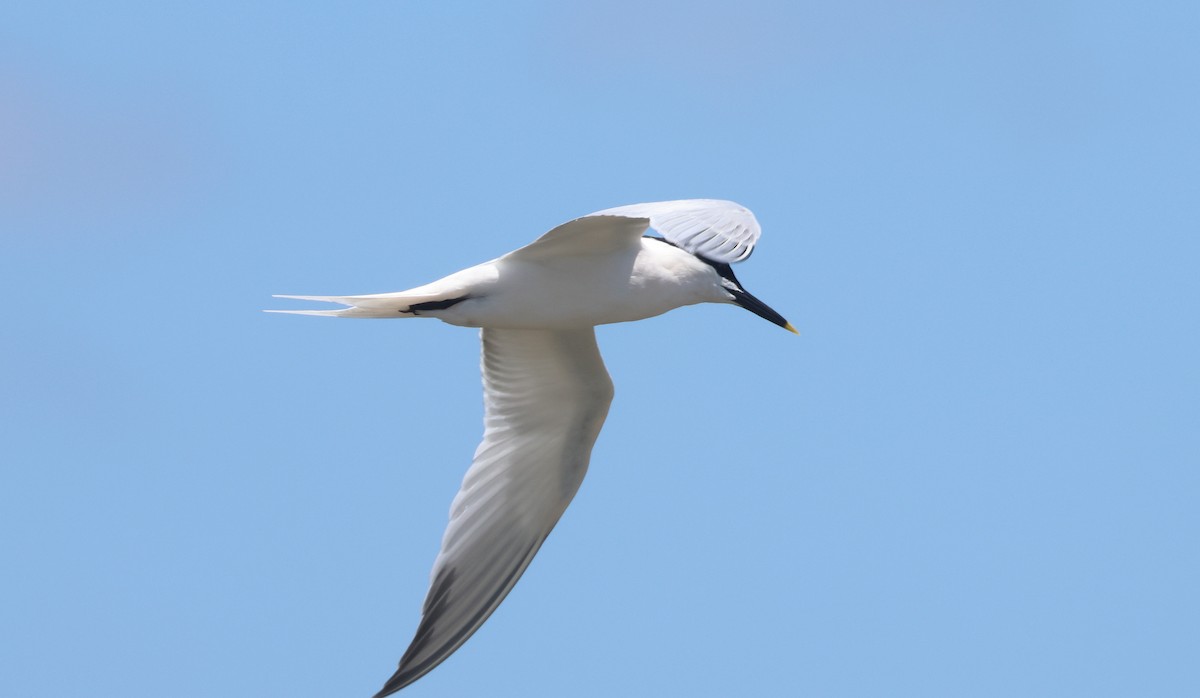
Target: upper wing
x=719, y=230
x=588, y=235
x=546, y=394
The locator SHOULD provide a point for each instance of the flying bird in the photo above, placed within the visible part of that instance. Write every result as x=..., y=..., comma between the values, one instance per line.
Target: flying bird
x=545, y=389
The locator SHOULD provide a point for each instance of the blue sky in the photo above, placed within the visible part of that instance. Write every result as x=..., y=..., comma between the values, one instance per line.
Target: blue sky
x=975, y=473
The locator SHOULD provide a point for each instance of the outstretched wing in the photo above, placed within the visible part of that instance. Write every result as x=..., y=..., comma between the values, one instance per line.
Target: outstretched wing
x=546, y=394
x=722, y=231
x=718, y=230
x=590, y=235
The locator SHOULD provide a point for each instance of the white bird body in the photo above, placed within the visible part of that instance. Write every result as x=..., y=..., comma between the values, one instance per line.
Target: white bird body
x=546, y=391
x=645, y=280
x=640, y=279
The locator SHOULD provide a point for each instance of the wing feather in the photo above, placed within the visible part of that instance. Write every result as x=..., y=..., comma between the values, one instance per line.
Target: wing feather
x=546, y=395
x=719, y=230
x=722, y=231
x=586, y=235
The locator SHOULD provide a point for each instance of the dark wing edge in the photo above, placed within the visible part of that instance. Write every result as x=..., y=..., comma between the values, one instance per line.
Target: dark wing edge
x=546, y=396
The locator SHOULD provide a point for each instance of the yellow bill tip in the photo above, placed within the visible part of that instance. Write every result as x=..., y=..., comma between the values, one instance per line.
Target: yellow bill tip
x=791, y=329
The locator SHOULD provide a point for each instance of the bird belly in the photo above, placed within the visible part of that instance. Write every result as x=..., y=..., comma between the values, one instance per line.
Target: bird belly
x=574, y=292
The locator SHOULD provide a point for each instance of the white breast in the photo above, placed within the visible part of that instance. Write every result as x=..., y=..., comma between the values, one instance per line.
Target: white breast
x=586, y=290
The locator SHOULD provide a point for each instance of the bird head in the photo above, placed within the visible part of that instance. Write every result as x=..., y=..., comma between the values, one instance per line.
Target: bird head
x=739, y=296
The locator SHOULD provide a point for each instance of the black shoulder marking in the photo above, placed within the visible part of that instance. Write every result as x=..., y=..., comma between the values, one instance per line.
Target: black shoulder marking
x=418, y=308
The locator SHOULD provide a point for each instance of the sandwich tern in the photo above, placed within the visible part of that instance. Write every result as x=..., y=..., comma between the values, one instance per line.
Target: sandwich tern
x=545, y=389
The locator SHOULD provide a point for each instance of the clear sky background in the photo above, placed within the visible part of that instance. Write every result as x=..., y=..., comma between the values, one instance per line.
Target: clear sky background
x=975, y=473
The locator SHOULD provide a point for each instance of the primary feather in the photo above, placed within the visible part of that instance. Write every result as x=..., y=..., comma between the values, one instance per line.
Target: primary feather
x=546, y=394
x=718, y=230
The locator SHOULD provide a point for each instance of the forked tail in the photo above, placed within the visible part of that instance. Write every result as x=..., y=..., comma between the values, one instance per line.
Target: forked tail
x=381, y=305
